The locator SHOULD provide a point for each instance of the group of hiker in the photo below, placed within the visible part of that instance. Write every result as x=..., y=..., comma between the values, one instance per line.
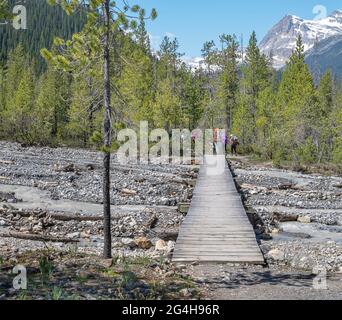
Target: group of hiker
x=222, y=139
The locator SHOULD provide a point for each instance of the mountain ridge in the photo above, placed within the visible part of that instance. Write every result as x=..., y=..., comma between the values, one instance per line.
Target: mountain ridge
x=280, y=41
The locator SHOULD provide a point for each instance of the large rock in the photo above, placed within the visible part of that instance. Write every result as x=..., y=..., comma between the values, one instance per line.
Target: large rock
x=305, y=219
x=3, y=223
x=129, y=242
x=276, y=255
x=303, y=262
x=185, y=293
x=143, y=243
x=161, y=245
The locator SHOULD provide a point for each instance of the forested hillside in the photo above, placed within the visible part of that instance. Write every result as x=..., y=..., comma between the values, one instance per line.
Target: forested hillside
x=44, y=22
x=289, y=119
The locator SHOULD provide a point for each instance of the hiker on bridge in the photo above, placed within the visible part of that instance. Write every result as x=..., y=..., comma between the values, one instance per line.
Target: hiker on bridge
x=216, y=140
x=234, y=142
x=224, y=139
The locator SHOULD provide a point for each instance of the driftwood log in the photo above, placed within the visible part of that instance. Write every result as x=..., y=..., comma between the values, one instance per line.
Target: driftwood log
x=35, y=237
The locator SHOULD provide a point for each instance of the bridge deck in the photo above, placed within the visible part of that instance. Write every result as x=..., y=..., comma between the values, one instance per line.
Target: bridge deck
x=217, y=228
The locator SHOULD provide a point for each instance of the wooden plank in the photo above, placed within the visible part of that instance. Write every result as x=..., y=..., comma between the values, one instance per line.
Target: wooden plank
x=217, y=228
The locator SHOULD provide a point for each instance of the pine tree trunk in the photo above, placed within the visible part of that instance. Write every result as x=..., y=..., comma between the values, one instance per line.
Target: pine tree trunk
x=107, y=139
x=228, y=118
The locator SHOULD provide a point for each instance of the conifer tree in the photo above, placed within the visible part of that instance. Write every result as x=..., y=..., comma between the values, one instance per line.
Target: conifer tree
x=229, y=82
x=51, y=106
x=192, y=98
x=256, y=78
x=296, y=110
x=336, y=125
x=103, y=19
x=19, y=109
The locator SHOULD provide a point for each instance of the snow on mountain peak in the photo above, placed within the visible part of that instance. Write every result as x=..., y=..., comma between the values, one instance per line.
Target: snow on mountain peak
x=336, y=13
x=281, y=39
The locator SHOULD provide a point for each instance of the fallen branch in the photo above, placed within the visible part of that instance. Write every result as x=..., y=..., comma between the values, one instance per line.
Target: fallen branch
x=6, y=162
x=283, y=217
x=70, y=217
x=128, y=192
x=35, y=237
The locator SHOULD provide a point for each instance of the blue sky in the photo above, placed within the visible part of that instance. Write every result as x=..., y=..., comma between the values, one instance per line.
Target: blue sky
x=195, y=21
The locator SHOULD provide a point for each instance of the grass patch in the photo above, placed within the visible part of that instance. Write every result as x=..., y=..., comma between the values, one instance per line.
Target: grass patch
x=57, y=275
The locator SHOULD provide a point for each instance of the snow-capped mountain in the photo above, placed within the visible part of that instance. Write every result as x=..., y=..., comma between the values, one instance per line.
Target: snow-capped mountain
x=325, y=55
x=281, y=39
x=194, y=62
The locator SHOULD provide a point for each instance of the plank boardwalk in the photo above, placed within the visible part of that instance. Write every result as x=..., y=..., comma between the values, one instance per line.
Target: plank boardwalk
x=217, y=228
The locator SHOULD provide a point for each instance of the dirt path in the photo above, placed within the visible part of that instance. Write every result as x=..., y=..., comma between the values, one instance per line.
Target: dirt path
x=222, y=282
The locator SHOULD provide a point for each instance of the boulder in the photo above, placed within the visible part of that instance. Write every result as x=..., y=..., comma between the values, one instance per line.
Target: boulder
x=143, y=243
x=3, y=223
x=161, y=245
x=276, y=255
x=303, y=262
x=129, y=242
x=185, y=293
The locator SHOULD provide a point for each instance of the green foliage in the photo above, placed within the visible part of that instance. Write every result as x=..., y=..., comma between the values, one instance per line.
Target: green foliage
x=50, y=110
x=291, y=121
x=18, y=110
x=286, y=119
x=56, y=294
x=252, y=113
x=45, y=267
x=4, y=10
x=229, y=82
x=307, y=152
x=296, y=108
x=337, y=133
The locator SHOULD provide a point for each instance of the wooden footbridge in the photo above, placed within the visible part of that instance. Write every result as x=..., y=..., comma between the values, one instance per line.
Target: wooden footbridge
x=217, y=228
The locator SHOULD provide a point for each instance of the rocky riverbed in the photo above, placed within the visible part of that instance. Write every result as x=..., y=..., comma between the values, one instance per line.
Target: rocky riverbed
x=71, y=174
x=51, y=222
x=297, y=217
x=56, y=194
x=50, y=199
